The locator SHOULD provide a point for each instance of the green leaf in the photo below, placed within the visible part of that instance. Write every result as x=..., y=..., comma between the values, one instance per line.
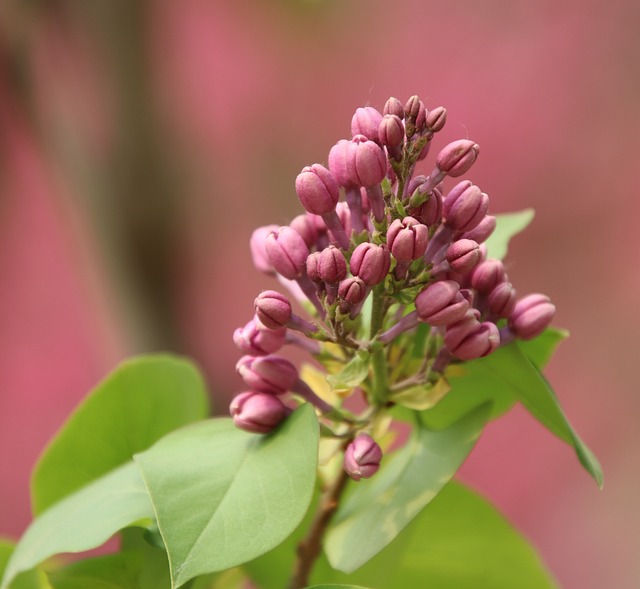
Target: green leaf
x=476, y=382
x=84, y=519
x=353, y=374
x=540, y=349
x=28, y=580
x=380, y=508
x=508, y=225
x=223, y=497
x=458, y=542
x=273, y=570
x=336, y=587
x=138, y=403
x=534, y=392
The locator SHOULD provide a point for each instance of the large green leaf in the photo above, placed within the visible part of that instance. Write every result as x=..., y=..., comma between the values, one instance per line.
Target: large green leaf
x=476, y=382
x=84, y=519
x=380, y=508
x=335, y=587
x=458, y=542
x=534, y=392
x=508, y=225
x=34, y=579
x=273, y=570
x=138, y=403
x=223, y=497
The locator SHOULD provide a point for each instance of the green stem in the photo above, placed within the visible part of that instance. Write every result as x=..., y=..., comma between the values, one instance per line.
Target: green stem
x=380, y=387
x=377, y=311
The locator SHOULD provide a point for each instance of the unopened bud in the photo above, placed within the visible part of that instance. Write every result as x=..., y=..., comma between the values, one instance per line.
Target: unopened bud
x=531, y=316
x=258, y=413
x=258, y=251
x=331, y=265
x=391, y=131
x=456, y=158
x=370, y=162
x=362, y=457
x=272, y=375
x=317, y=189
x=464, y=207
x=273, y=309
x=287, y=252
x=352, y=290
x=483, y=230
x=436, y=119
x=441, y=303
x=469, y=339
x=502, y=300
x=463, y=255
x=393, y=107
x=366, y=121
x=370, y=263
x=407, y=239
x=307, y=227
x=415, y=115
x=487, y=275
x=257, y=340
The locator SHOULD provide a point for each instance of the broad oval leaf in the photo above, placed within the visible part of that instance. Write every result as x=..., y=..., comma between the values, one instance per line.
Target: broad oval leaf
x=223, y=497
x=534, y=392
x=459, y=541
x=139, y=402
x=508, y=225
x=380, y=508
x=336, y=587
x=476, y=382
x=84, y=520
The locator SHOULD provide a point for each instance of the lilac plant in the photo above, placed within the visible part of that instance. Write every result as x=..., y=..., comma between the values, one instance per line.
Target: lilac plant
x=340, y=470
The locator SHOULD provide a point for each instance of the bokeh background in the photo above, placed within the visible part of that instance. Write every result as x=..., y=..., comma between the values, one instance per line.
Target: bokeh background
x=141, y=142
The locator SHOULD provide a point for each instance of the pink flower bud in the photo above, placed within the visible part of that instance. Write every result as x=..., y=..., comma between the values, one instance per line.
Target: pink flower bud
x=370, y=162
x=366, y=121
x=428, y=212
x=287, y=252
x=502, y=300
x=352, y=290
x=531, y=316
x=342, y=163
x=272, y=375
x=487, y=275
x=441, y=303
x=456, y=158
x=362, y=457
x=307, y=227
x=370, y=263
x=312, y=266
x=469, y=339
x=407, y=239
x=256, y=340
x=436, y=119
x=483, y=230
x=257, y=413
x=393, y=107
x=317, y=189
x=332, y=265
x=415, y=116
x=464, y=207
x=391, y=131
x=273, y=309
x=463, y=255
x=258, y=251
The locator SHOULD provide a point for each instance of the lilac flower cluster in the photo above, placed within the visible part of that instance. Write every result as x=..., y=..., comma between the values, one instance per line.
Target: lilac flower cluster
x=400, y=252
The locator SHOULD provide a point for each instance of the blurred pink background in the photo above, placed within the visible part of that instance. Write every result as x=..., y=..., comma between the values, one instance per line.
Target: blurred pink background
x=141, y=142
